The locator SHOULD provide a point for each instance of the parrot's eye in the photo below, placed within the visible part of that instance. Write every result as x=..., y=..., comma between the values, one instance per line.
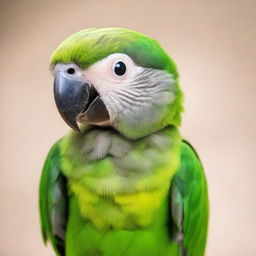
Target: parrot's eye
x=120, y=68
x=71, y=71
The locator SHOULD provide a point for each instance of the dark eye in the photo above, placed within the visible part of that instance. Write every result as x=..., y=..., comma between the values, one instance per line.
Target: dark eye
x=120, y=68
x=71, y=71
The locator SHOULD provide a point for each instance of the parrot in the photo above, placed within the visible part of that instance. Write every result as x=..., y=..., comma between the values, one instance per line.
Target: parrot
x=122, y=181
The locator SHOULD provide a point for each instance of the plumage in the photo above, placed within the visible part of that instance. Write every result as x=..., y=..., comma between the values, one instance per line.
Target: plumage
x=53, y=202
x=134, y=186
x=91, y=45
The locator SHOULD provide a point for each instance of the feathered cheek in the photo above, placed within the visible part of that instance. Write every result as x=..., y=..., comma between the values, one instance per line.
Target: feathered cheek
x=166, y=98
x=113, y=106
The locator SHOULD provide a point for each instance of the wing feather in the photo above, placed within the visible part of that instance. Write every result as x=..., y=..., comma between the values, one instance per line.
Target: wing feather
x=53, y=201
x=189, y=204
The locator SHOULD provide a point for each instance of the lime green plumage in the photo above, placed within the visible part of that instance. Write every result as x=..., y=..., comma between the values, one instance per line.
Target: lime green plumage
x=98, y=235
x=106, y=193
x=192, y=200
x=91, y=45
x=120, y=191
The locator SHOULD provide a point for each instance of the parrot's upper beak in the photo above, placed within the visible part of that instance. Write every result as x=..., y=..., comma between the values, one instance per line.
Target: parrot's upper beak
x=78, y=100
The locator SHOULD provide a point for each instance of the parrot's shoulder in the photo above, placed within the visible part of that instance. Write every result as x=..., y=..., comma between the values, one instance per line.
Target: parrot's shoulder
x=190, y=167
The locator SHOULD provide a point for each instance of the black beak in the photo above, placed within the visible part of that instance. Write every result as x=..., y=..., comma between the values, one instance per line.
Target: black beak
x=71, y=97
x=78, y=100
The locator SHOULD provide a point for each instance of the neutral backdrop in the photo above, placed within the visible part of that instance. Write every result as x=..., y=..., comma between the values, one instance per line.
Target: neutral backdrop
x=213, y=44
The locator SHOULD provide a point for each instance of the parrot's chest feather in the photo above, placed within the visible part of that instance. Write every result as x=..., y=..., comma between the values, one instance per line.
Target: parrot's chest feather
x=120, y=183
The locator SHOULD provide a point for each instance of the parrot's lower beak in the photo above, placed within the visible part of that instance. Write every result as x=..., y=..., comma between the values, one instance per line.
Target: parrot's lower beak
x=78, y=100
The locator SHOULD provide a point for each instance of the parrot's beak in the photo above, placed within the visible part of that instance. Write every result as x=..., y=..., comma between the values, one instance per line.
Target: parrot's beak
x=78, y=100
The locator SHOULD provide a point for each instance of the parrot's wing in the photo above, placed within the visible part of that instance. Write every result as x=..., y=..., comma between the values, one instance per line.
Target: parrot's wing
x=189, y=204
x=53, y=201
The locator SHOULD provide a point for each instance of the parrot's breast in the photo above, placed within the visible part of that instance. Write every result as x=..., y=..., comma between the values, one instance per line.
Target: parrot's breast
x=129, y=211
x=120, y=183
x=83, y=238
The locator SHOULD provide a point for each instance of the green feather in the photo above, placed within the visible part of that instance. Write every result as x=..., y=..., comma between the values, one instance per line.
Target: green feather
x=179, y=228
x=53, y=201
x=189, y=204
x=88, y=46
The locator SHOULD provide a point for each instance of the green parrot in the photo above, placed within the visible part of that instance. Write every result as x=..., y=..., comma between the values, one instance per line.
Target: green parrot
x=123, y=182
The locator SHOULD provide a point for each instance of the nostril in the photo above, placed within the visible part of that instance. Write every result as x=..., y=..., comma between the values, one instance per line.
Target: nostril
x=71, y=71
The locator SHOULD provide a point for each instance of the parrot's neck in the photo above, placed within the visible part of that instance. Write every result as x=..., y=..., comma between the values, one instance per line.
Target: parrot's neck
x=120, y=182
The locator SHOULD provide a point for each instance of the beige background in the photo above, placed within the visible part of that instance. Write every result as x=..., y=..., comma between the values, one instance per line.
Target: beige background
x=213, y=44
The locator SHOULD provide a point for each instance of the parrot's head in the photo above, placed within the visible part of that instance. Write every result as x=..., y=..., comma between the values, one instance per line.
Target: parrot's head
x=116, y=77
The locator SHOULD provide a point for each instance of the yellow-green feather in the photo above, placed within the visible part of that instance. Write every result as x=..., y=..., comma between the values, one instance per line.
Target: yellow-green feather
x=137, y=223
x=102, y=196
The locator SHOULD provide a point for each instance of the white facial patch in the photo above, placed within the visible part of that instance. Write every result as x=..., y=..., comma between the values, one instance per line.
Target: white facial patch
x=102, y=73
x=135, y=98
